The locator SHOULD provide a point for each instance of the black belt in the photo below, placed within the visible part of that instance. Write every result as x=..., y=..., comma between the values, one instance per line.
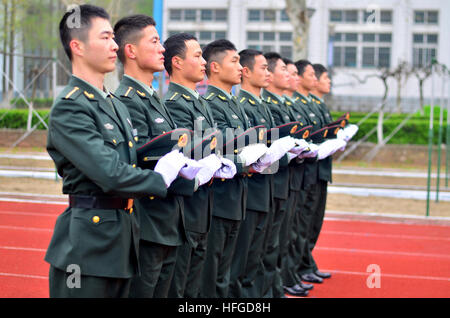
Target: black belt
x=94, y=202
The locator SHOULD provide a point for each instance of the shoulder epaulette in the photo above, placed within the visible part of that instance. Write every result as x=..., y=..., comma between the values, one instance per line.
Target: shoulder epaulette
x=129, y=92
x=210, y=96
x=173, y=97
x=73, y=93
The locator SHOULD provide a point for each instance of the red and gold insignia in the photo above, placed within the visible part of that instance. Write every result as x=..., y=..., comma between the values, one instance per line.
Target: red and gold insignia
x=343, y=123
x=293, y=129
x=213, y=143
x=261, y=134
x=306, y=134
x=325, y=133
x=182, y=141
x=336, y=130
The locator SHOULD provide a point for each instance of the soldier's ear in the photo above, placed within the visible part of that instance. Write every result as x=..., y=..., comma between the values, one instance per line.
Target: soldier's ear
x=130, y=51
x=177, y=62
x=246, y=72
x=77, y=47
x=214, y=67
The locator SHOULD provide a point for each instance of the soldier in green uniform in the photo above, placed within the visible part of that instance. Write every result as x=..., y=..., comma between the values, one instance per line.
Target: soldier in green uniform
x=224, y=71
x=95, y=241
x=273, y=96
x=161, y=219
x=244, y=280
x=313, y=175
x=186, y=67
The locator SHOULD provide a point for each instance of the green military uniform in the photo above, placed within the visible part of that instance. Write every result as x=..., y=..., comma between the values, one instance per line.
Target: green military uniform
x=230, y=197
x=281, y=115
x=91, y=142
x=190, y=111
x=324, y=176
x=310, y=196
x=161, y=219
x=246, y=262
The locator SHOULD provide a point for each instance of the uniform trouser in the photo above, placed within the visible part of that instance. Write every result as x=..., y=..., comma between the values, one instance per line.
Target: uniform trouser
x=316, y=223
x=304, y=257
x=222, y=240
x=188, y=266
x=268, y=269
x=247, y=257
x=285, y=239
x=291, y=259
x=157, y=263
x=89, y=287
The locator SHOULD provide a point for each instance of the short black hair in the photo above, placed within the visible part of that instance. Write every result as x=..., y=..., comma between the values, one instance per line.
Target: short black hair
x=272, y=60
x=287, y=61
x=319, y=69
x=67, y=32
x=175, y=45
x=128, y=30
x=247, y=57
x=213, y=52
x=301, y=66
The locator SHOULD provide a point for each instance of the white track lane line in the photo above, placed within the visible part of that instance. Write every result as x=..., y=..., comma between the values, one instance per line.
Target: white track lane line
x=28, y=249
x=397, y=253
x=24, y=228
x=334, y=271
x=23, y=275
x=395, y=236
x=33, y=201
x=38, y=214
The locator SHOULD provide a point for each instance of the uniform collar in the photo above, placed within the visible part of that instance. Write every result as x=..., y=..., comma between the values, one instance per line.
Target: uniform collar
x=288, y=98
x=103, y=93
x=228, y=95
x=318, y=98
x=258, y=99
x=176, y=86
x=147, y=88
x=278, y=98
x=302, y=96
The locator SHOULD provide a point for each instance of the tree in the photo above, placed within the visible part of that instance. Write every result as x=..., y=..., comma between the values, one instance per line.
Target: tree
x=299, y=18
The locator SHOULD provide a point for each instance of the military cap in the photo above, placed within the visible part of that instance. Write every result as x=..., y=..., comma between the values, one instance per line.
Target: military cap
x=327, y=132
x=204, y=145
x=157, y=147
x=341, y=121
x=248, y=137
x=288, y=129
x=304, y=133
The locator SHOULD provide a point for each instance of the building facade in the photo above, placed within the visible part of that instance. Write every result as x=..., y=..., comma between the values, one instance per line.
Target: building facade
x=353, y=38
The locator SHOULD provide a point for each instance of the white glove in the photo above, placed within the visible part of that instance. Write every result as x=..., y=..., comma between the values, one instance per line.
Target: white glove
x=169, y=165
x=329, y=147
x=313, y=150
x=291, y=156
x=348, y=132
x=190, y=170
x=279, y=147
x=210, y=165
x=227, y=171
x=301, y=146
x=251, y=153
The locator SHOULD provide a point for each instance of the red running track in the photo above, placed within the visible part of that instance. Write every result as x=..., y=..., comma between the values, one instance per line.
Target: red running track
x=413, y=259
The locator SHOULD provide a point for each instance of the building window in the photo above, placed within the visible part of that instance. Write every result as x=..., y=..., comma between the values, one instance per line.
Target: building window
x=271, y=41
x=384, y=17
x=424, y=48
x=269, y=15
x=362, y=50
x=426, y=17
x=353, y=16
x=200, y=15
x=283, y=16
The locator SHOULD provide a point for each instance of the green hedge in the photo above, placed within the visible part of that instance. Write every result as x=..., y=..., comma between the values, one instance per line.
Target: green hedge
x=414, y=132
x=37, y=103
x=17, y=118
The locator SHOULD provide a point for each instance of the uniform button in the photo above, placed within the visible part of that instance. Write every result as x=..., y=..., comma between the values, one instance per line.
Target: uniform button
x=130, y=143
x=223, y=179
x=114, y=141
x=96, y=219
x=136, y=139
x=134, y=165
x=249, y=175
x=131, y=210
x=152, y=197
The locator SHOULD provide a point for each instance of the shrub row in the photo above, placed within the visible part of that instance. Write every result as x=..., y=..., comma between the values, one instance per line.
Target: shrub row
x=414, y=132
x=19, y=103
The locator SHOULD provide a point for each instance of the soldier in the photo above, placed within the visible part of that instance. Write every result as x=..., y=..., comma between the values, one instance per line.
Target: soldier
x=161, y=219
x=315, y=174
x=224, y=71
x=186, y=67
x=246, y=263
x=90, y=140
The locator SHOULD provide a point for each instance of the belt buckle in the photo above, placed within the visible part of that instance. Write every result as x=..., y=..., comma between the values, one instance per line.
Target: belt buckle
x=129, y=204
